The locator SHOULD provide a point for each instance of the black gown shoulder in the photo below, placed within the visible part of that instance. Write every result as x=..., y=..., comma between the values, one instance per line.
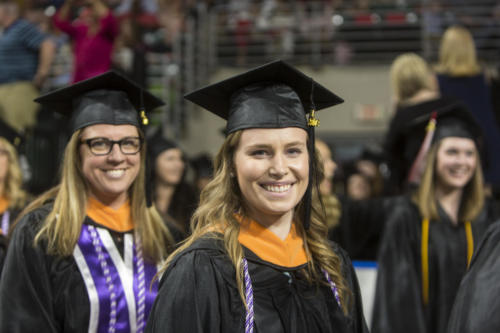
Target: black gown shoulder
x=477, y=306
x=198, y=293
x=399, y=305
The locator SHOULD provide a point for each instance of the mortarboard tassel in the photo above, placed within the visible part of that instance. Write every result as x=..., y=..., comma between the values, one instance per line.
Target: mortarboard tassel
x=419, y=163
x=312, y=122
x=148, y=178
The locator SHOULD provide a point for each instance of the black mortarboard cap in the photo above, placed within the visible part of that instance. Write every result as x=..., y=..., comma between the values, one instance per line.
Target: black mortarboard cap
x=452, y=120
x=109, y=98
x=274, y=95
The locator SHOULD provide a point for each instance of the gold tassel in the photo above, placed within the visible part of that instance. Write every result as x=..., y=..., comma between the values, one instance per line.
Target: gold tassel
x=144, y=118
x=313, y=121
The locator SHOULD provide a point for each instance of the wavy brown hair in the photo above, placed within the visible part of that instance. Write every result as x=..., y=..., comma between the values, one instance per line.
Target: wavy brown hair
x=472, y=197
x=221, y=198
x=13, y=190
x=62, y=226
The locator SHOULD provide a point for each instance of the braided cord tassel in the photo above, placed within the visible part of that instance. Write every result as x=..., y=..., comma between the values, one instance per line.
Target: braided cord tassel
x=333, y=286
x=249, y=318
x=141, y=286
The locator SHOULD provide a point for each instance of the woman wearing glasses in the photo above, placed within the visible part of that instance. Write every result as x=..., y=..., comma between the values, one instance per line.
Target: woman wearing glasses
x=83, y=256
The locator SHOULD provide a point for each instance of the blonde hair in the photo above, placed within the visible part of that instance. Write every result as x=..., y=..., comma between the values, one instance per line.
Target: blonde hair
x=221, y=198
x=13, y=191
x=472, y=196
x=457, y=53
x=62, y=226
x=409, y=74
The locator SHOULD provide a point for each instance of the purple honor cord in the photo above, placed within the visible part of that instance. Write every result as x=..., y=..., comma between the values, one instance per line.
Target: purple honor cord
x=5, y=222
x=141, y=286
x=335, y=291
x=249, y=318
x=248, y=298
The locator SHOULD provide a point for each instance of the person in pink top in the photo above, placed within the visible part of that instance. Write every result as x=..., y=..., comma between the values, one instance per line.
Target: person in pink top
x=92, y=33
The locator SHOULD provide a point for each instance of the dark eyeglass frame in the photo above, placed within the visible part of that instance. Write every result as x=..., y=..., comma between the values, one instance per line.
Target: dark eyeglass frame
x=112, y=143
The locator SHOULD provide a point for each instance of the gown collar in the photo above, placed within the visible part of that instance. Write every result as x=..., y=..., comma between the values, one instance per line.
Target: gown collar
x=4, y=204
x=267, y=246
x=118, y=220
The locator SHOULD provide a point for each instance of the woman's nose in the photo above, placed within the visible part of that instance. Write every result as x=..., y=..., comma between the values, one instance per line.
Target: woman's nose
x=278, y=167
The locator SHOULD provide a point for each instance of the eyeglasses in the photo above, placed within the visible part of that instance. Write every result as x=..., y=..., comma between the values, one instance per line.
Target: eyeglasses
x=103, y=146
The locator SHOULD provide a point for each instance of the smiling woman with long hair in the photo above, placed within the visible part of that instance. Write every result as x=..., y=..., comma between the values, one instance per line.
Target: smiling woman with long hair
x=431, y=235
x=83, y=256
x=258, y=259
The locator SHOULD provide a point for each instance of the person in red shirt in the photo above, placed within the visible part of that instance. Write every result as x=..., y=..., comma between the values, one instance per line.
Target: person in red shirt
x=93, y=34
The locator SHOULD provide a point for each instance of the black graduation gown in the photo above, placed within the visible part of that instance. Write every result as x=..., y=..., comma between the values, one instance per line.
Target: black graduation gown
x=3, y=250
x=361, y=226
x=198, y=293
x=398, y=305
x=4, y=237
x=477, y=306
x=40, y=292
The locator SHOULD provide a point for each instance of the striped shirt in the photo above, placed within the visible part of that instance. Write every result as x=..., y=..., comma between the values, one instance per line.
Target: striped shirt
x=19, y=46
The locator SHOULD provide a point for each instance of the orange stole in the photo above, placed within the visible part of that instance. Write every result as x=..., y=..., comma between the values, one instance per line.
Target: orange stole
x=267, y=246
x=118, y=220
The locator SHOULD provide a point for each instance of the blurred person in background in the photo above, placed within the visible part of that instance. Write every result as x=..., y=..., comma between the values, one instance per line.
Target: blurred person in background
x=26, y=55
x=92, y=34
x=90, y=246
x=416, y=94
x=358, y=185
x=460, y=76
x=328, y=197
x=174, y=198
x=431, y=235
x=12, y=196
x=202, y=165
x=363, y=210
x=477, y=305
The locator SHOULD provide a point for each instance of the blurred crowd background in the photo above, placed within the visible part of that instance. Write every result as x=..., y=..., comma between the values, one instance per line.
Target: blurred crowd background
x=173, y=46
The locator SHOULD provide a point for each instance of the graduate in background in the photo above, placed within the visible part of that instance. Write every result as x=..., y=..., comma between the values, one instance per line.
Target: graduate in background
x=173, y=197
x=460, y=75
x=83, y=256
x=258, y=259
x=477, y=305
x=203, y=168
x=430, y=237
x=415, y=94
x=12, y=196
x=328, y=198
